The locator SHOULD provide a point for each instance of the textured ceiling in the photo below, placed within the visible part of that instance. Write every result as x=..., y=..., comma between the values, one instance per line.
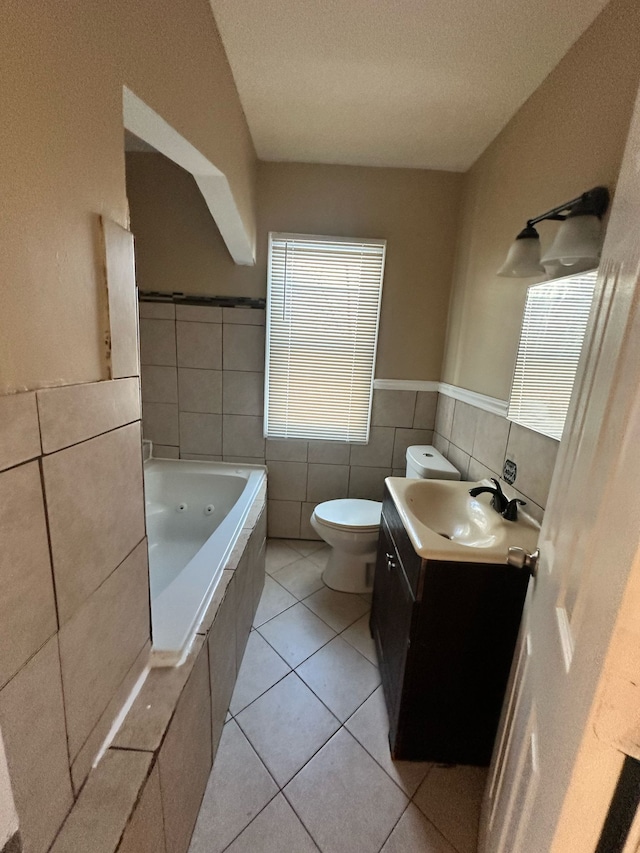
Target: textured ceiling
x=417, y=83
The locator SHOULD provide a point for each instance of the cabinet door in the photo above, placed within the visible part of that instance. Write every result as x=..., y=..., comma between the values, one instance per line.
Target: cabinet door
x=391, y=616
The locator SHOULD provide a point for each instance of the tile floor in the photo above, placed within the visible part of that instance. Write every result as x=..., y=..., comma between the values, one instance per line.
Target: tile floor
x=303, y=763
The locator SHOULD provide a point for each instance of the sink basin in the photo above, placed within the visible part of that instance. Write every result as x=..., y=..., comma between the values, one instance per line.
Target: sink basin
x=445, y=523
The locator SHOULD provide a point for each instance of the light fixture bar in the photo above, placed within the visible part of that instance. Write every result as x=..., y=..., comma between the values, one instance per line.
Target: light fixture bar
x=593, y=202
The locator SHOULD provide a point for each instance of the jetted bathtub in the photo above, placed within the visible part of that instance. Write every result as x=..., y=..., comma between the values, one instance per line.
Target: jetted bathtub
x=195, y=512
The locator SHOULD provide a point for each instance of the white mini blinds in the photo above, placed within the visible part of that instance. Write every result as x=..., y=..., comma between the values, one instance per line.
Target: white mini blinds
x=323, y=309
x=553, y=328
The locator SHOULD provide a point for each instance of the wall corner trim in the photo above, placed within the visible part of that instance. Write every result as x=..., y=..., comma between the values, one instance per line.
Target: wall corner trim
x=480, y=401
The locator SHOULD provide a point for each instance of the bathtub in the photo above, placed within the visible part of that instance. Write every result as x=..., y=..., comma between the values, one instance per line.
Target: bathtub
x=195, y=512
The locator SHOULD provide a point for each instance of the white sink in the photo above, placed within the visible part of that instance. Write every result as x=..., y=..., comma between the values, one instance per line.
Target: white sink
x=445, y=523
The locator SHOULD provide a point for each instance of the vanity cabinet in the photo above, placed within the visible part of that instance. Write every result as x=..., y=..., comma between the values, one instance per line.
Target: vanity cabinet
x=445, y=634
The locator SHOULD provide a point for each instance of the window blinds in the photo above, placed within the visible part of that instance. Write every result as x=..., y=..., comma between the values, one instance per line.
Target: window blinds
x=553, y=328
x=323, y=309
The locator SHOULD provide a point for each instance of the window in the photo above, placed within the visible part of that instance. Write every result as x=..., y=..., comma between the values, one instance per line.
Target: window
x=553, y=328
x=323, y=309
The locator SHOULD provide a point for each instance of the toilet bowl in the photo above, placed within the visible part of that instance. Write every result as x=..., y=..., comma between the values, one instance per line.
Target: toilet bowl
x=351, y=527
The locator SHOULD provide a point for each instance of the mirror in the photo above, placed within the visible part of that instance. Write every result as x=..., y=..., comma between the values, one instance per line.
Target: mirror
x=553, y=328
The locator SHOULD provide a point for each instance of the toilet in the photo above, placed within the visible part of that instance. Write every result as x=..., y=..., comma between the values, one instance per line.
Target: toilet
x=350, y=525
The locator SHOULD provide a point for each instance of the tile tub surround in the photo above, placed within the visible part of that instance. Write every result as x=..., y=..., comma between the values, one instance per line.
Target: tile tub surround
x=477, y=442
x=202, y=392
x=74, y=554
x=145, y=794
x=304, y=762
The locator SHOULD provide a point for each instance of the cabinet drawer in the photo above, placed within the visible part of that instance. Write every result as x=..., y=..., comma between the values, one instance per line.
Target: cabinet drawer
x=410, y=561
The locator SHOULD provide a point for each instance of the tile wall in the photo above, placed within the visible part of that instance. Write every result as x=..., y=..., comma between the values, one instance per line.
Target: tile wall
x=478, y=442
x=74, y=612
x=145, y=794
x=202, y=398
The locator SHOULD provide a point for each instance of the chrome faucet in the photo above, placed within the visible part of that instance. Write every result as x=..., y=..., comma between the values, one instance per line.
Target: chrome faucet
x=508, y=509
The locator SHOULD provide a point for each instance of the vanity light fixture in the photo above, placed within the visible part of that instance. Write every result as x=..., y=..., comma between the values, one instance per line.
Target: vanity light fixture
x=577, y=244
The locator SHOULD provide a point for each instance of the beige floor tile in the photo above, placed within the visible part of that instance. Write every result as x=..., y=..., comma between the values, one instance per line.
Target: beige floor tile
x=301, y=578
x=287, y=726
x=305, y=546
x=261, y=669
x=450, y=797
x=276, y=829
x=279, y=554
x=340, y=676
x=414, y=834
x=274, y=600
x=370, y=726
x=239, y=788
x=359, y=636
x=296, y=634
x=337, y=609
x=346, y=801
x=320, y=556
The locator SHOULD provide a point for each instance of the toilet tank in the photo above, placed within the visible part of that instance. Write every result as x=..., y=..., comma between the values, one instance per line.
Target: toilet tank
x=424, y=462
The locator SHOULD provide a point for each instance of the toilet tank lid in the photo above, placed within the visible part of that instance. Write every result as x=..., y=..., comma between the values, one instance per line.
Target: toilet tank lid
x=430, y=463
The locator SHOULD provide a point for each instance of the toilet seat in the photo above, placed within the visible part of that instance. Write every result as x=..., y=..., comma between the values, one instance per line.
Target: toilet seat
x=351, y=514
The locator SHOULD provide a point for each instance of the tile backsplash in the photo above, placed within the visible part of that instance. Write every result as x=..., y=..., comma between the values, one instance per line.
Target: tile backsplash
x=203, y=397
x=477, y=442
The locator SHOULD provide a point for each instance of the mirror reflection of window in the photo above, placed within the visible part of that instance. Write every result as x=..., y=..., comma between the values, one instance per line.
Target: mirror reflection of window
x=553, y=328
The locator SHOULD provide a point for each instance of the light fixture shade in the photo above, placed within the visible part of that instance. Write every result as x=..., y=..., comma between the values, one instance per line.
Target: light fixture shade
x=577, y=244
x=523, y=258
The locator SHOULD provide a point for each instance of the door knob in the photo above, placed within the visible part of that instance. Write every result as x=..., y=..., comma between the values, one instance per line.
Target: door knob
x=521, y=559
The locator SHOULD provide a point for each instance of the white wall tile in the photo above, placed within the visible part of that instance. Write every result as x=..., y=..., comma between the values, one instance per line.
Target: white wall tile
x=73, y=413
x=27, y=604
x=441, y=444
x=200, y=433
x=164, y=451
x=199, y=345
x=200, y=390
x=460, y=460
x=306, y=530
x=19, y=430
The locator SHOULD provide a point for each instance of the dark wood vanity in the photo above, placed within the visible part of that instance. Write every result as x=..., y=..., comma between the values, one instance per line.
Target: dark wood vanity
x=445, y=633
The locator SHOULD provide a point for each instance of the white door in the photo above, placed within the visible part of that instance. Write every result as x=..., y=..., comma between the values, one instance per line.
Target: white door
x=589, y=541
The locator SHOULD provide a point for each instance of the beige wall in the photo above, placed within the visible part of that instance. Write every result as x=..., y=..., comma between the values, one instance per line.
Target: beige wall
x=568, y=137
x=178, y=247
x=64, y=65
